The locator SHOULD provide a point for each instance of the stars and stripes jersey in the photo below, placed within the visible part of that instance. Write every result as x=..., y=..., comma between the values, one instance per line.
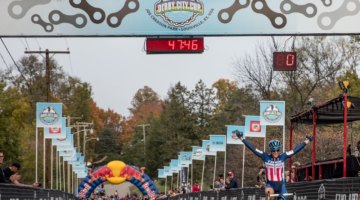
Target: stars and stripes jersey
x=274, y=168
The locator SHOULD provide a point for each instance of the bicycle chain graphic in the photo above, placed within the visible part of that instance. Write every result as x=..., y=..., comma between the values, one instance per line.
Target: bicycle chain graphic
x=114, y=19
x=57, y=17
x=303, y=9
x=36, y=19
x=260, y=6
x=225, y=15
x=24, y=6
x=334, y=16
x=97, y=15
x=327, y=2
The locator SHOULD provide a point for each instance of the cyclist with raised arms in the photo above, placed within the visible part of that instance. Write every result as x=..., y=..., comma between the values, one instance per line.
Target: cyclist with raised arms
x=274, y=163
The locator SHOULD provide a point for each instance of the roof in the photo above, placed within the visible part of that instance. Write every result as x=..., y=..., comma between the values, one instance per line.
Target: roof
x=331, y=112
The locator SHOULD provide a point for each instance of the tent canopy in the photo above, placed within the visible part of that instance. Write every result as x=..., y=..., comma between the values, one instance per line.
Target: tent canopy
x=330, y=112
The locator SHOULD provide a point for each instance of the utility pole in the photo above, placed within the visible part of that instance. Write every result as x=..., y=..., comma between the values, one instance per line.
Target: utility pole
x=48, y=95
x=47, y=61
x=144, y=136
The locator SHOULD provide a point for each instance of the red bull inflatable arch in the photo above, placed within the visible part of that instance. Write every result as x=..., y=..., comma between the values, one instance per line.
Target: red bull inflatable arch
x=117, y=172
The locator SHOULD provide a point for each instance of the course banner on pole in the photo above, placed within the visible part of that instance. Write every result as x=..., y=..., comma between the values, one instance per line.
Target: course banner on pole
x=161, y=173
x=56, y=132
x=167, y=171
x=217, y=143
x=197, y=153
x=206, y=148
x=176, y=17
x=231, y=137
x=185, y=158
x=272, y=113
x=48, y=114
x=253, y=128
x=175, y=166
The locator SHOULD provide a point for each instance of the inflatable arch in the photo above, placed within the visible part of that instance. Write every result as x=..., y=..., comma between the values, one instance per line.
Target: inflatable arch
x=117, y=172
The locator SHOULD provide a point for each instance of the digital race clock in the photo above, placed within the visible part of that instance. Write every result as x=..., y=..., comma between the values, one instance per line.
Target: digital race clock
x=174, y=45
x=284, y=61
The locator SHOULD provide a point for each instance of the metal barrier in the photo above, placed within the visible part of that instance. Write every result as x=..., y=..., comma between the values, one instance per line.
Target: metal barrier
x=13, y=192
x=337, y=189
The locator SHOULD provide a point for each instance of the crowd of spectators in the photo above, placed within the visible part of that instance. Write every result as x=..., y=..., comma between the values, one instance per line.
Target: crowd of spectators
x=11, y=174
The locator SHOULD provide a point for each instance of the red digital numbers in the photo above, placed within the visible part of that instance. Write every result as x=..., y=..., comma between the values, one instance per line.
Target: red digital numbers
x=284, y=61
x=174, y=45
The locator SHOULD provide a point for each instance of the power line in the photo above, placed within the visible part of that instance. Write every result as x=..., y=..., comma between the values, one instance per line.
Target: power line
x=7, y=49
x=70, y=60
x=2, y=57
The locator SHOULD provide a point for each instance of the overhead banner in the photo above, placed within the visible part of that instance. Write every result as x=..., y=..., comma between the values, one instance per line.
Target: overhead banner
x=231, y=137
x=217, y=143
x=177, y=17
x=48, y=114
x=253, y=127
x=272, y=113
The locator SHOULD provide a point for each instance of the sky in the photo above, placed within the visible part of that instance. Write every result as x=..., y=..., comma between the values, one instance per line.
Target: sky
x=117, y=67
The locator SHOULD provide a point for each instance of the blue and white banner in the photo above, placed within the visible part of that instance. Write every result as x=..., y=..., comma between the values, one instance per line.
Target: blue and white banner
x=231, y=137
x=68, y=141
x=65, y=148
x=167, y=171
x=272, y=113
x=56, y=132
x=217, y=143
x=161, y=173
x=197, y=153
x=68, y=153
x=48, y=114
x=175, y=165
x=206, y=148
x=185, y=158
x=253, y=128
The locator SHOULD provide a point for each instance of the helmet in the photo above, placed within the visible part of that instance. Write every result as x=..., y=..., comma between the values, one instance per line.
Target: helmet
x=274, y=145
x=230, y=173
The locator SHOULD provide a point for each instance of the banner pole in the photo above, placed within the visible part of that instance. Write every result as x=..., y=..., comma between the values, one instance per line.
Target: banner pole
x=284, y=139
x=171, y=184
x=225, y=161
x=44, y=162
x=165, y=185
x=177, y=180
x=243, y=166
x=51, y=166
x=36, y=155
x=60, y=186
x=192, y=174
x=213, y=182
x=202, y=174
x=265, y=143
x=57, y=170
x=64, y=175
x=187, y=176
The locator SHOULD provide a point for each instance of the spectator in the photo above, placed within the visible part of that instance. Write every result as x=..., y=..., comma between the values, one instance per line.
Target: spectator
x=261, y=178
x=2, y=175
x=357, y=150
x=195, y=187
x=232, y=181
x=9, y=171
